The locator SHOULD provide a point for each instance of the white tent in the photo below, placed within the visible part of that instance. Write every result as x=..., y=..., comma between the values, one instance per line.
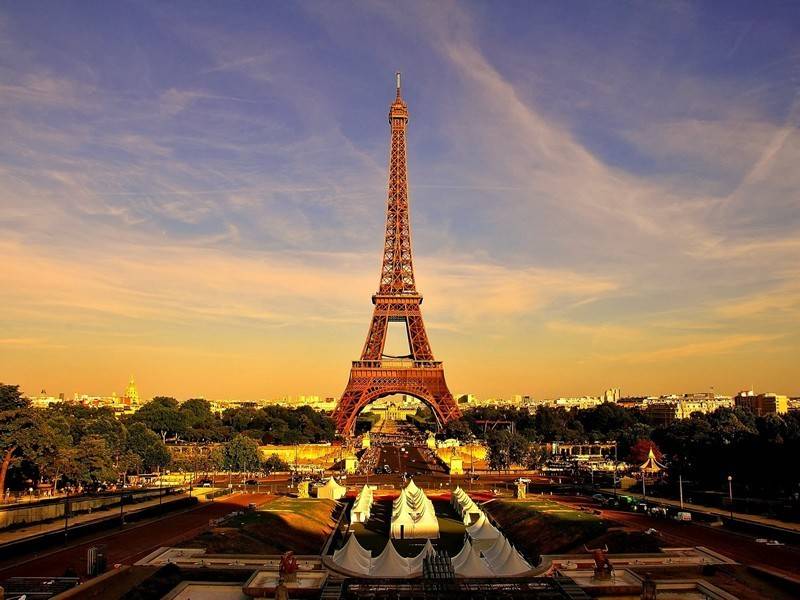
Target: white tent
x=483, y=533
x=412, y=489
x=331, y=490
x=512, y=563
x=473, y=565
x=415, y=562
x=362, y=507
x=413, y=515
x=459, y=558
x=390, y=564
x=353, y=557
x=496, y=550
x=402, y=524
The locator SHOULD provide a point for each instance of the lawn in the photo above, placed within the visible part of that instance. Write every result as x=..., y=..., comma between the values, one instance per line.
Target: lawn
x=282, y=524
x=542, y=526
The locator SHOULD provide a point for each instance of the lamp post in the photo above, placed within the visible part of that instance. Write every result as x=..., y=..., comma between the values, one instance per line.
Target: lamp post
x=730, y=495
x=680, y=489
x=66, y=517
x=614, y=476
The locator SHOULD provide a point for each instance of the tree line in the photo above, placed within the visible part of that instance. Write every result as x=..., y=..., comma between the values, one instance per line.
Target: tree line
x=757, y=451
x=74, y=445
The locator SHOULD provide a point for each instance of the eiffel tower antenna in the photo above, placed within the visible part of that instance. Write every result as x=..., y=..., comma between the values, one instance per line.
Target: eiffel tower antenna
x=377, y=374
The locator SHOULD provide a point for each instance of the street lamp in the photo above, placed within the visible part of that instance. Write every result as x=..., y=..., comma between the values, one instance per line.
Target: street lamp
x=730, y=495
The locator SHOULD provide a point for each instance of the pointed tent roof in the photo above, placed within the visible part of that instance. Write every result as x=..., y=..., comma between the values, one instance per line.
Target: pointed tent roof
x=331, y=489
x=512, y=564
x=415, y=562
x=483, y=530
x=353, y=556
x=651, y=465
x=461, y=556
x=473, y=566
x=390, y=564
x=497, y=550
x=412, y=488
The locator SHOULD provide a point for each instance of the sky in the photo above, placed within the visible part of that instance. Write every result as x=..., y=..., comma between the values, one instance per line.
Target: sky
x=603, y=194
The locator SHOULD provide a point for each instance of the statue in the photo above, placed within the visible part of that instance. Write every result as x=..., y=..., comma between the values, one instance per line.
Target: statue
x=603, y=570
x=288, y=567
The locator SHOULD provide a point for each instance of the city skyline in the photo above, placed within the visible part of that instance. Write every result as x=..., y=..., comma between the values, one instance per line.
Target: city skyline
x=205, y=210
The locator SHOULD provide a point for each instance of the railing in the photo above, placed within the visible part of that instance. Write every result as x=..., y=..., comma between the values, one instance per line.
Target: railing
x=394, y=363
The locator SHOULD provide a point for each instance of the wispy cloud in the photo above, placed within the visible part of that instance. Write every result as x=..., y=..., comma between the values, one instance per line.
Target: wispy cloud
x=571, y=187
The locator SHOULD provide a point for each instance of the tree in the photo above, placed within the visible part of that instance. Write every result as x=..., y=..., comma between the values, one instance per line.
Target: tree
x=275, y=463
x=640, y=451
x=197, y=411
x=64, y=454
x=241, y=454
x=11, y=398
x=93, y=461
x=162, y=415
x=23, y=432
x=148, y=446
x=506, y=448
x=458, y=429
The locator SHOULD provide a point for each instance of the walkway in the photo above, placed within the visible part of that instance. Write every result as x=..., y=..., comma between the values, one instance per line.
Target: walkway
x=709, y=510
x=36, y=529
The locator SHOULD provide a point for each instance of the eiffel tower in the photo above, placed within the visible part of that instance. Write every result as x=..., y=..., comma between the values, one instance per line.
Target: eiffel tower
x=377, y=374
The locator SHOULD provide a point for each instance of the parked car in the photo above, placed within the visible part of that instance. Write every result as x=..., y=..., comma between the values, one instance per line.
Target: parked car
x=251, y=482
x=683, y=516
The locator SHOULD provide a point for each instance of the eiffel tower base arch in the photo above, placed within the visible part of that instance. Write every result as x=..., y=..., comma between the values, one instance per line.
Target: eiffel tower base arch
x=371, y=380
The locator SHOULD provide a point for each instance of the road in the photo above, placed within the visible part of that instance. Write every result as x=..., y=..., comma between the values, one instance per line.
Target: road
x=132, y=543
x=741, y=548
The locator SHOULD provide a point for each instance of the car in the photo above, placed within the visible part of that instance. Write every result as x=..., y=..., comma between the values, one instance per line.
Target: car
x=761, y=540
x=251, y=482
x=387, y=469
x=774, y=543
x=523, y=480
x=651, y=531
x=205, y=484
x=599, y=497
x=683, y=516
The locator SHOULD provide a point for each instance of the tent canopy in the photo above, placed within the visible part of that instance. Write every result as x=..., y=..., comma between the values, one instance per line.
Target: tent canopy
x=353, y=557
x=390, y=564
x=331, y=489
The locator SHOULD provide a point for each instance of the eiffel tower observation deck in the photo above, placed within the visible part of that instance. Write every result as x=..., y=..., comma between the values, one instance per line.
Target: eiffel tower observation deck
x=378, y=374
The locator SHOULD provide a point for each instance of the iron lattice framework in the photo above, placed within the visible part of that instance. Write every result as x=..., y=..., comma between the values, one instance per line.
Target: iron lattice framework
x=377, y=375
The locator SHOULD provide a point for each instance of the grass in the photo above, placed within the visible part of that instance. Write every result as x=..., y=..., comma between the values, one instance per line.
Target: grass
x=541, y=526
x=301, y=525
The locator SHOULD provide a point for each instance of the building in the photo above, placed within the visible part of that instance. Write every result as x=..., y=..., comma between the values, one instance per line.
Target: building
x=762, y=404
x=663, y=410
x=131, y=395
x=580, y=403
x=468, y=399
x=611, y=395
x=43, y=400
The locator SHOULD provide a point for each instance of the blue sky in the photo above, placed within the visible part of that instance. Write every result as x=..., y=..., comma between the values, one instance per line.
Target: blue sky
x=603, y=193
